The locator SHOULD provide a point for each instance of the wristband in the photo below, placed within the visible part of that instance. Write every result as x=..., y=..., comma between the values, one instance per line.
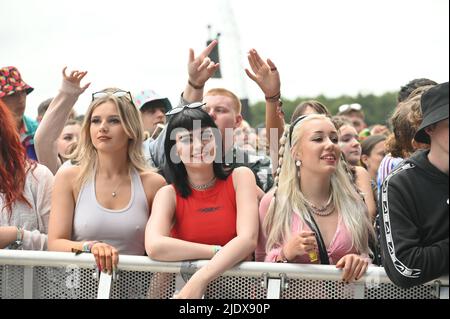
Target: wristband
x=17, y=244
x=216, y=249
x=87, y=246
x=19, y=235
x=275, y=98
x=283, y=258
x=197, y=87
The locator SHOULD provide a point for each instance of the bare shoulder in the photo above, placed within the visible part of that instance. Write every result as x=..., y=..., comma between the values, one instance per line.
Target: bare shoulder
x=68, y=174
x=152, y=181
x=242, y=174
x=361, y=173
x=167, y=195
x=66, y=181
x=167, y=190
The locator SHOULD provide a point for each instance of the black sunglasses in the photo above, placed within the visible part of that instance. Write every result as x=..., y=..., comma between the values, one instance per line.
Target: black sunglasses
x=178, y=109
x=118, y=93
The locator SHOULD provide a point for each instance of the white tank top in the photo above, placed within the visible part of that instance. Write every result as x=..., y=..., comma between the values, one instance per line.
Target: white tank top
x=124, y=229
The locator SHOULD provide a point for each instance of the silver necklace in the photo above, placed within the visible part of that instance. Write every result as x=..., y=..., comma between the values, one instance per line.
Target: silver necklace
x=324, y=210
x=114, y=193
x=203, y=186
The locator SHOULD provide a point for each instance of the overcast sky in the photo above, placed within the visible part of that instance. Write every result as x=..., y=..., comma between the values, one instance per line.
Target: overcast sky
x=320, y=47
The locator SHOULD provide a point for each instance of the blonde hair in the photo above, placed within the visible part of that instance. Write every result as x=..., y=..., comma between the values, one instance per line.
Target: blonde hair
x=85, y=155
x=288, y=198
x=224, y=92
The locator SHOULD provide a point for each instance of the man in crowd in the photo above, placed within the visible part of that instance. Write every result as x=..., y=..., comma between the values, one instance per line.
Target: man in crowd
x=225, y=109
x=413, y=211
x=153, y=110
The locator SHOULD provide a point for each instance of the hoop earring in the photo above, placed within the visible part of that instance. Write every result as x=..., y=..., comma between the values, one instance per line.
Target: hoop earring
x=298, y=163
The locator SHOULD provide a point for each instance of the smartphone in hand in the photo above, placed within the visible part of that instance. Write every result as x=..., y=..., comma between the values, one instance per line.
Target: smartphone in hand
x=159, y=128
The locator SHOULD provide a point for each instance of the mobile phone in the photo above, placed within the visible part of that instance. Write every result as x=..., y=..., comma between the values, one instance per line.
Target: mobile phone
x=159, y=128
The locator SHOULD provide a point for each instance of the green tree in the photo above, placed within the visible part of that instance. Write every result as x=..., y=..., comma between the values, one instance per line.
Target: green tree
x=377, y=109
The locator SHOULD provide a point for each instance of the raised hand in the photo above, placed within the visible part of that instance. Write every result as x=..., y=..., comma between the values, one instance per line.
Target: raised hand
x=201, y=68
x=265, y=74
x=75, y=78
x=354, y=267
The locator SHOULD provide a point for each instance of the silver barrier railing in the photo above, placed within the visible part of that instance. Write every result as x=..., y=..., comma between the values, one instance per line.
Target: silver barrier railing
x=55, y=275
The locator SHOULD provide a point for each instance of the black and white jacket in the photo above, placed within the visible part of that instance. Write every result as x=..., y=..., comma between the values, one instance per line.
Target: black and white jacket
x=414, y=223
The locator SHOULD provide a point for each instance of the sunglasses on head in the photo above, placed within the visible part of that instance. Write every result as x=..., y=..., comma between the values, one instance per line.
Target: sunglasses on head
x=118, y=93
x=178, y=109
x=348, y=107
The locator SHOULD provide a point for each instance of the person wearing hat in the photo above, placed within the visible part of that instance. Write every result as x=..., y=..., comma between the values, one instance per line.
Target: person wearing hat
x=13, y=93
x=355, y=114
x=153, y=110
x=414, y=199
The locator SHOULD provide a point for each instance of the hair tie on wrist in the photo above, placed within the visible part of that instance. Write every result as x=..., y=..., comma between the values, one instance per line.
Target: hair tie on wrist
x=274, y=98
x=197, y=87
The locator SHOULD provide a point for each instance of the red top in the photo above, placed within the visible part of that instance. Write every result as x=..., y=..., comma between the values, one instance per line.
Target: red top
x=207, y=217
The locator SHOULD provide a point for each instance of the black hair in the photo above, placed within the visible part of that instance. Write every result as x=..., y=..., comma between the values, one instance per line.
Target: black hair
x=408, y=88
x=153, y=105
x=176, y=173
x=370, y=142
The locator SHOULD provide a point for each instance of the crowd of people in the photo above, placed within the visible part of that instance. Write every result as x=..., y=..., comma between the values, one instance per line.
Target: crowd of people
x=136, y=176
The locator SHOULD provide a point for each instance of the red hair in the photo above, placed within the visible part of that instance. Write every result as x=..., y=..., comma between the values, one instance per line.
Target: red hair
x=14, y=164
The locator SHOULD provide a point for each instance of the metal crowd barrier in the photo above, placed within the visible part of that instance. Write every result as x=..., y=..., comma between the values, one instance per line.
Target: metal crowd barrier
x=57, y=275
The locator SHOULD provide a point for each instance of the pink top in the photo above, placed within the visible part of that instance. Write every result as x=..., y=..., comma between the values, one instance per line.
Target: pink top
x=340, y=245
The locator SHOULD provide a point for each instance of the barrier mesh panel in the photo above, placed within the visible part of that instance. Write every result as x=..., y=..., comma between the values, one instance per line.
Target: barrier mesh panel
x=236, y=288
x=162, y=286
x=390, y=291
x=11, y=282
x=79, y=283
x=143, y=285
x=317, y=289
x=64, y=283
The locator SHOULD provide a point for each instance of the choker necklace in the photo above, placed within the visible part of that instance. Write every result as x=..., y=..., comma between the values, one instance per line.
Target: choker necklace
x=203, y=186
x=324, y=210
